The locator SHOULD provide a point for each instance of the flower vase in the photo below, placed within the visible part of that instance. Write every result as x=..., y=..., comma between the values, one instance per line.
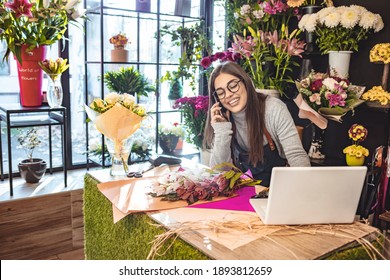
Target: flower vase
x=54, y=92
x=30, y=76
x=310, y=37
x=119, y=55
x=354, y=161
x=339, y=63
x=120, y=152
x=317, y=141
x=168, y=142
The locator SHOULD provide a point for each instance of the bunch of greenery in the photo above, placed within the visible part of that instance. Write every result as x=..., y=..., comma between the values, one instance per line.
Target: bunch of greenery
x=176, y=89
x=193, y=41
x=35, y=23
x=29, y=140
x=128, y=80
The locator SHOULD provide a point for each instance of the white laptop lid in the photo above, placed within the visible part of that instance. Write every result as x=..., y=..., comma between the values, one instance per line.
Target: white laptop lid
x=312, y=195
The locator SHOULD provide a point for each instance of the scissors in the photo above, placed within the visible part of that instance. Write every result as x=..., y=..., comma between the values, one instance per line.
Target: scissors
x=139, y=174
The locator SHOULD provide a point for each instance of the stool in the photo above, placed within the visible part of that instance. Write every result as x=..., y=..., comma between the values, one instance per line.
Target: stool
x=385, y=226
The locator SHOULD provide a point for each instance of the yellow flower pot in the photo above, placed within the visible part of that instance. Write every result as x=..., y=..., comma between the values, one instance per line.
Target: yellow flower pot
x=355, y=161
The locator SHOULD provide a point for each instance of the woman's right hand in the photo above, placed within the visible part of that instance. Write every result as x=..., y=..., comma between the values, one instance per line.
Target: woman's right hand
x=216, y=114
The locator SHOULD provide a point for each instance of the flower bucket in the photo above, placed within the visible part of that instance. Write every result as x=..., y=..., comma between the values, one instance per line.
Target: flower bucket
x=119, y=55
x=339, y=63
x=30, y=76
x=354, y=161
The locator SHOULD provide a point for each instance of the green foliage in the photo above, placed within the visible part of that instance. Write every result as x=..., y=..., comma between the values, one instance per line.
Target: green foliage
x=176, y=89
x=29, y=140
x=128, y=80
x=193, y=41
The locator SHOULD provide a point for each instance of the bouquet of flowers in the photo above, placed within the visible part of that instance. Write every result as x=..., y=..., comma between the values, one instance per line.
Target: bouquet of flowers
x=341, y=28
x=201, y=184
x=321, y=95
x=194, y=110
x=54, y=68
x=35, y=23
x=117, y=117
x=119, y=41
x=357, y=133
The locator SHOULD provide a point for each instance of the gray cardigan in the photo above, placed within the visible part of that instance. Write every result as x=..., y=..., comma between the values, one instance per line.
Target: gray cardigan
x=278, y=122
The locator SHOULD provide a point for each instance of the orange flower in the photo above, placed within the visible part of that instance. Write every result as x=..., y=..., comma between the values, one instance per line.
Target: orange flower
x=295, y=3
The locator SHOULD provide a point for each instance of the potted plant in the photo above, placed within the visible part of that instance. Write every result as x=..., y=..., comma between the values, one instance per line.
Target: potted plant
x=169, y=136
x=355, y=154
x=30, y=169
x=28, y=27
x=128, y=80
x=119, y=53
x=175, y=89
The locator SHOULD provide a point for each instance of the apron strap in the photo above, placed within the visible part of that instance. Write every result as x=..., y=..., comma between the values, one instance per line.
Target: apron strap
x=269, y=139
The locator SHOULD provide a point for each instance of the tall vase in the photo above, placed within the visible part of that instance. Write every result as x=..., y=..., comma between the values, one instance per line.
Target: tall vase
x=30, y=76
x=54, y=92
x=339, y=63
x=310, y=37
x=119, y=55
x=119, y=151
x=317, y=142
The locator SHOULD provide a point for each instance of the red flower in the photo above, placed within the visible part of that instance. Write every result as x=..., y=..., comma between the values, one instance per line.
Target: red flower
x=20, y=7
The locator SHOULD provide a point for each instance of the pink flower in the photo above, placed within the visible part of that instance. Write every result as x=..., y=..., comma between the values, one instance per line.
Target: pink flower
x=20, y=7
x=206, y=62
x=335, y=100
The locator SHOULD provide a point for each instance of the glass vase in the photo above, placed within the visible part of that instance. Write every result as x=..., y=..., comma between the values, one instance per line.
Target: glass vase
x=317, y=142
x=120, y=152
x=54, y=92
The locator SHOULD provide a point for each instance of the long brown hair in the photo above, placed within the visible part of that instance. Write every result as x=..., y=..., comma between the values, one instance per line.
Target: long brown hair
x=255, y=110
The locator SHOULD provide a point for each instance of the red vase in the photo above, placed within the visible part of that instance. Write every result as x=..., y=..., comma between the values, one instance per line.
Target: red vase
x=30, y=76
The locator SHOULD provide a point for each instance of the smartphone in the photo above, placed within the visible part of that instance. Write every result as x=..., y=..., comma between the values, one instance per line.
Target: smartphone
x=223, y=109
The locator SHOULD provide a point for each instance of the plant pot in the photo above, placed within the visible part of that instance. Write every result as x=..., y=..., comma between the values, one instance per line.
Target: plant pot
x=354, y=161
x=119, y=55
x=183, y=8
x=32, y=171
x=168, y=142
x=310, y=37
x=30, y=76
x=143, y=6
x=339, y=63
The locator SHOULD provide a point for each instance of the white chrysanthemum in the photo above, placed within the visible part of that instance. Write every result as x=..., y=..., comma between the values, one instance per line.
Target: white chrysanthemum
x=302, y=22
x=359, y=9
x=330, y=83
x=349, y=18
x=245, y=9
x=379, y=24
x=311, y=23
x=368, y=20
x=259, y=14
x=324, y=12
x=332, y=20
x=236, y=15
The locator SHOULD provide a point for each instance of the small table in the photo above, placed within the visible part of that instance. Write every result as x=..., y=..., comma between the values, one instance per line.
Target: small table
x=17, y=116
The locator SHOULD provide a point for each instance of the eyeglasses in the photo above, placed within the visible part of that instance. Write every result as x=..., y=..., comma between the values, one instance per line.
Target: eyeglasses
x=233, y=86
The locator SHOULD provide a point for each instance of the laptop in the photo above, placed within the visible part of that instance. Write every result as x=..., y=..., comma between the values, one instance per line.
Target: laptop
x=311, y=195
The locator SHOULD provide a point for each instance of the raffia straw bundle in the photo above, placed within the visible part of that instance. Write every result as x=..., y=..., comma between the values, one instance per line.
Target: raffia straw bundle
x=266, y=232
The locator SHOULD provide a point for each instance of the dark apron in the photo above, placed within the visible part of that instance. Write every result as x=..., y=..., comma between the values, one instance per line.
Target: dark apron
x=263, y=170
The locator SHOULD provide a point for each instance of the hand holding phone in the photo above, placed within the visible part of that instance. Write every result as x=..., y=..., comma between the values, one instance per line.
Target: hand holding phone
x=223, y=109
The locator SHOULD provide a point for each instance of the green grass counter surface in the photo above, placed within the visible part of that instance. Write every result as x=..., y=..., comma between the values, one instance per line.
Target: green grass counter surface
x=130, y=237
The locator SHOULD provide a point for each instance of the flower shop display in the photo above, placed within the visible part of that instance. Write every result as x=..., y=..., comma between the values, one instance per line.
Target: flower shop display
x=117, y=117
x=262, y=43
x=54, y=70
x=339, y=31
x=323, y=97
x=193, y=185
x=128, y=80
x=194, y=111
x=30, y=169
x=169, y=136
x=377, y=94
x=119, y=53
x=28, y=28
x=355, y=153
x=380, y=53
